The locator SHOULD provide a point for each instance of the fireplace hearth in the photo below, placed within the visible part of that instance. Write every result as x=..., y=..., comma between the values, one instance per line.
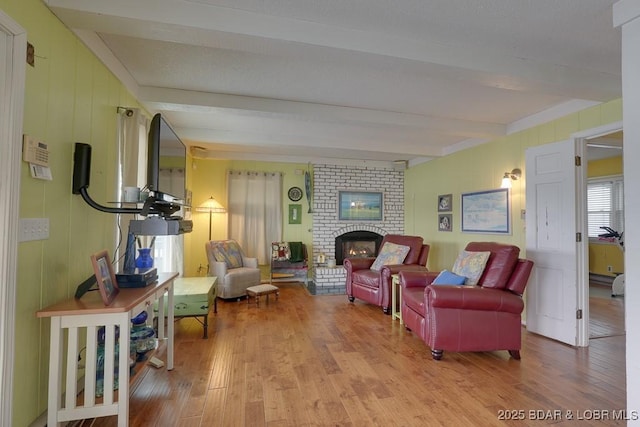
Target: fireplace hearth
x=357, y=244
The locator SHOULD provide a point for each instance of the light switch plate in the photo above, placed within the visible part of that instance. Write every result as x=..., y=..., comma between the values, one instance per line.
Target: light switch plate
x=33, y=229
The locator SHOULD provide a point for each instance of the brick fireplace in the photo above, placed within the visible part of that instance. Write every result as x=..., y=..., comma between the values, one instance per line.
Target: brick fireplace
x=327, y=181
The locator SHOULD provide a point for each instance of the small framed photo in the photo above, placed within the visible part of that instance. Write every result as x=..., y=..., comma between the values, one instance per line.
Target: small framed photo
x=295, y=214
x=444, y=222
x=105, y=276
x=445, y=203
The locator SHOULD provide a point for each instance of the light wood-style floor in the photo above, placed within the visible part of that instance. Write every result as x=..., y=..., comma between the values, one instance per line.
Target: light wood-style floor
x=321, y=361
x=606, y=313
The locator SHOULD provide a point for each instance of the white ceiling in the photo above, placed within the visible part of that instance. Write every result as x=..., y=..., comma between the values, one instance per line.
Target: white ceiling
x=343, y=80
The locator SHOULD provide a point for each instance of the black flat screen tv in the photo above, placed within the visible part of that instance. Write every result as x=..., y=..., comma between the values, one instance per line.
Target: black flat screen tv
x=165, y=151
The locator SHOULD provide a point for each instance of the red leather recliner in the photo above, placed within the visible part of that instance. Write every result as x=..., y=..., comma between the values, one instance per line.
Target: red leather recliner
x=483, y=317
x=374, y=286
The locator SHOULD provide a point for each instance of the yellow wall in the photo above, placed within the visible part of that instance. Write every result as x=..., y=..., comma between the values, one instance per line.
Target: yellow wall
x=605, y=167
x=602, y=255
x=69, y=96
x=481, y=168
x=209, y=178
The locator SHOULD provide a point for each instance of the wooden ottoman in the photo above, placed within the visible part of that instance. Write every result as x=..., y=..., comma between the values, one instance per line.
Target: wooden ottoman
x=259, y=290
x=193, y=297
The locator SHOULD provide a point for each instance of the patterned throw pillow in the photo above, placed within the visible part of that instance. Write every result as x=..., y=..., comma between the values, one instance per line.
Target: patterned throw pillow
x=229, y=252
x=280, y=251
x=448, y=278
x=390, y=254
x=471, y=265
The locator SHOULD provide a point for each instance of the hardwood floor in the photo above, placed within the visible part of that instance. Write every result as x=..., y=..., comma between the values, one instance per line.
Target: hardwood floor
x=606, y=313
x=321, y=361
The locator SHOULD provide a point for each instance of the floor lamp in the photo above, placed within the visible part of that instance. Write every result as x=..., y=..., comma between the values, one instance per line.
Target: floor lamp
x=212, y=206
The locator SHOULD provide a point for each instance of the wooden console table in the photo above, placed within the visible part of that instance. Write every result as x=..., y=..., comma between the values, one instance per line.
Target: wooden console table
x=78, y=320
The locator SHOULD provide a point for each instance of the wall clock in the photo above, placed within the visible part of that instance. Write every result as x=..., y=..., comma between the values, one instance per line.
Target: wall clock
x=295, y=194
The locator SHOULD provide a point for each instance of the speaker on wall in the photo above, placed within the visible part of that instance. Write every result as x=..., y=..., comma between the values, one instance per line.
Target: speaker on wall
x=81, y=167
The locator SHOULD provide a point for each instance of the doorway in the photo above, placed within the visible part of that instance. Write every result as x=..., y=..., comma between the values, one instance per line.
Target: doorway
x=556, y=221
x=13, y=39
x=605, y=179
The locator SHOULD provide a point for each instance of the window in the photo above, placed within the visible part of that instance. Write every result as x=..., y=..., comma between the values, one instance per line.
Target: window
x=605, y=206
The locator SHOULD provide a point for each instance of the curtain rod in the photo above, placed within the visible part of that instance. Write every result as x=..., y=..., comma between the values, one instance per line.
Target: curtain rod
x=236, y=172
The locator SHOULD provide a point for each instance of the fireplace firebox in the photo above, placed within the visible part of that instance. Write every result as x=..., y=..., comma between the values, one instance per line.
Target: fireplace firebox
x=357, y=244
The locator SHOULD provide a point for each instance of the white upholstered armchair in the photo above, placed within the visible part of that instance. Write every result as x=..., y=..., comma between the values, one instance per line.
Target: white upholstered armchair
x=235, y=271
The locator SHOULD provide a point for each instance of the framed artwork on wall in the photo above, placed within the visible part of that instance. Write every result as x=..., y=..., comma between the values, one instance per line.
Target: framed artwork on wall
x=105, y=276
x=445, y=202
x=444, y=222
x=360, y=205
x=295, y=214
x=486, y=212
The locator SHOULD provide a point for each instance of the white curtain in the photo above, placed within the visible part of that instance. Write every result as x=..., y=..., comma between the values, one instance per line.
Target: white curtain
x=132, y=148
x=168, y=250
x=255, y=211
x=132, y=163
x=132, y=167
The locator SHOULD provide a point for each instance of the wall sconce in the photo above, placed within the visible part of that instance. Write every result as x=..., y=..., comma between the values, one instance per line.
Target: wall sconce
x=510, y=176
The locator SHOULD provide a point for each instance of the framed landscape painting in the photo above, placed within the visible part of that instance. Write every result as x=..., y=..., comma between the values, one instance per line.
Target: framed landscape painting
x=486, y=212
x=360, y=205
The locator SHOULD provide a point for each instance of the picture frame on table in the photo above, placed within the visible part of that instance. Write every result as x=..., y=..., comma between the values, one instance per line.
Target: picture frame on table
x=106, y=278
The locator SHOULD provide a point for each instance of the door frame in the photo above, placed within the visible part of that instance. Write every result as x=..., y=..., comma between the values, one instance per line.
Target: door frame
x=582, y=287
x=11, y=115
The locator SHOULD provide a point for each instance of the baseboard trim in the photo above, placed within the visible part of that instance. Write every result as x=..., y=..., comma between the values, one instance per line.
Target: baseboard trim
x=601, y=279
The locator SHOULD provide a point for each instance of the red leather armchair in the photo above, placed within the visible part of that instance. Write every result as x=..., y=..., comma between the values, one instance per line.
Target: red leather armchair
x=483, y=317
x=374, y=286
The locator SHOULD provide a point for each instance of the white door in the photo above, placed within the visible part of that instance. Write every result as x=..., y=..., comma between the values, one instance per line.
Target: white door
x=551, y=241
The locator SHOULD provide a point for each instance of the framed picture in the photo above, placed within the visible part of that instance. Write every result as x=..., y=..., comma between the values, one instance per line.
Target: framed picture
x=444, y=202
x=360, y=205
x=444, y=222
x=486, y=212
x=295, y=214
x=105, y=276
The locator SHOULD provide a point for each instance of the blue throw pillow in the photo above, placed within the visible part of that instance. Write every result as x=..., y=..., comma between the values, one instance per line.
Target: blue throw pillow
x=448, y=278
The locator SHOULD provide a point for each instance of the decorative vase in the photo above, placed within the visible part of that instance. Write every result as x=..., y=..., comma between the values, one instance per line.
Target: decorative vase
x=144, y=259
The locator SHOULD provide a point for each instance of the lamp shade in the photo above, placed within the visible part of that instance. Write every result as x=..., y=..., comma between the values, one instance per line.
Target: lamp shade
x=211, y=205
x=506, y=182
